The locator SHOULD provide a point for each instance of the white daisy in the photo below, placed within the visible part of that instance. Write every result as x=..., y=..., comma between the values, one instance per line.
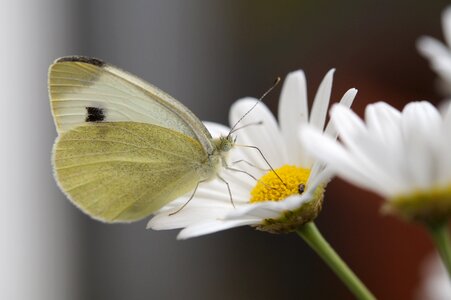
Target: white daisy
x=269, y=202
x=403, y=156
x=438, y=53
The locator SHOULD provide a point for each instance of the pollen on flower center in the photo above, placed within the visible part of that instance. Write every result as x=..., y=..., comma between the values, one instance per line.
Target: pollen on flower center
x=270, y=188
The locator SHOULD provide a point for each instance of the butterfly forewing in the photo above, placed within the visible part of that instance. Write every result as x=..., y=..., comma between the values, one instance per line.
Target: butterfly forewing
x=80, y=84
x=123, y=171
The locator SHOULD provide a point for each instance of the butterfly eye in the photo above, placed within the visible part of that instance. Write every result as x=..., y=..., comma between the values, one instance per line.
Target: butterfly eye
x=301, y=188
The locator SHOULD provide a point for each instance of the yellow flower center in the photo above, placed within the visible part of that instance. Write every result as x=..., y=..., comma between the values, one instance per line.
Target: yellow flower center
x=271, y=188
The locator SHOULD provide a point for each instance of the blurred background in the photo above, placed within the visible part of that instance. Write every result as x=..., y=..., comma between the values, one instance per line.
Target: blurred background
x=207, y=54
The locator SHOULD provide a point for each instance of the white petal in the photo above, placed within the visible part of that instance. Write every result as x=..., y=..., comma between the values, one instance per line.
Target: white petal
x=384, y=126
x=320, y=177
x=317, y=168
x=421, y=124
x=447, y=116
x=446, y=24
x=211, y=196
x=364, y=148
x=435, y=283
x=445, y=157
x=347, y=122
x=442, y=65
x=431, y=47
x=339, y=160
x=185, y=217
x=293, y=111
x=199, y=202
x=208, y=227
x=321, y=102
x=346, y=100
x=260, y=210
x=438, y=54
x=381, y=120
x=266, y=137
x=217, y=190
x=293, y=106
x=240, y=183
x=268, y=209
x=216, y=130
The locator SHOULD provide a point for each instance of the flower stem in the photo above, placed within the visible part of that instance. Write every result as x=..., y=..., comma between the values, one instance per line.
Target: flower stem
x=310, y=233
x=440, y=236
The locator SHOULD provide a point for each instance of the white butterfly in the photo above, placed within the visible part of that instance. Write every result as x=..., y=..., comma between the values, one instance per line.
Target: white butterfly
x=124, y=147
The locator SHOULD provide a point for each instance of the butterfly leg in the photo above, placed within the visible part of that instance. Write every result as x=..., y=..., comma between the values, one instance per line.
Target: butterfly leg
x=242, y=171
x=250, y=175
x=228, y=188
x=249, y=164
x=264, y=158
x=191, y=197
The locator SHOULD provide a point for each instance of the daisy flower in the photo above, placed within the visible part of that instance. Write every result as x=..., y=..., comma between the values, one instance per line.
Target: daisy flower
x=439, y=54
x=403, y=156
x=277, y=201
x=284, y=198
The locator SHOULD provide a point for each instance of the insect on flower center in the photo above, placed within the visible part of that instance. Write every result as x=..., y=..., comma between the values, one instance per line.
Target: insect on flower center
x=270, y=188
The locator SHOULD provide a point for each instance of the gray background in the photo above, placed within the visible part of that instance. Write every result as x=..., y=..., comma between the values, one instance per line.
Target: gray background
x=207, y=54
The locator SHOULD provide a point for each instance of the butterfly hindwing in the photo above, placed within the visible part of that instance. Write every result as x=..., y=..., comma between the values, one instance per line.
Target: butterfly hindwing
x=123, y=171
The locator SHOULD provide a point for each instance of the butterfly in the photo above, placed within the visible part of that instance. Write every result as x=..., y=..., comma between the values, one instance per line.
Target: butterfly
x=124, y=147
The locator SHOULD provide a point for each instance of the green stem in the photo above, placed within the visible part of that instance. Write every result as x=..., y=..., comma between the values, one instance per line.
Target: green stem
x=310, y=233
x=440, y=236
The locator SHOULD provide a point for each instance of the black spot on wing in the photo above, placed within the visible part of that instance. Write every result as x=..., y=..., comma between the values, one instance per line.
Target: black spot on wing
x=94, y=114
x=83, y=59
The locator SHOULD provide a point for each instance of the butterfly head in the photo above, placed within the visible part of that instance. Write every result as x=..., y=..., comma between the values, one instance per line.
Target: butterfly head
x=224, y=143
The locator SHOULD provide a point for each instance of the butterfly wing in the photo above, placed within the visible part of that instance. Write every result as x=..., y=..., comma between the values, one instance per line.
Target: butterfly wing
x=123, y=171
x=88, y=90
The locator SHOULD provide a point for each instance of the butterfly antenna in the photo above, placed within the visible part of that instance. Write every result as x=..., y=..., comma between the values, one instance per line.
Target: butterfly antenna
x=244, y=126
x=276, y=82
